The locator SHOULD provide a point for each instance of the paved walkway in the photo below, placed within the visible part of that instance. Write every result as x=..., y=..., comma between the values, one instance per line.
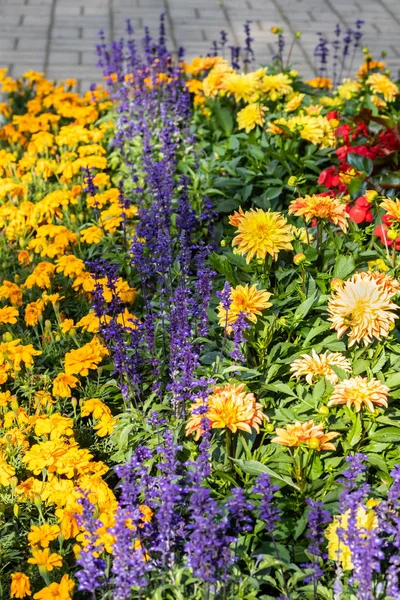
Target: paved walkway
x=59, y=36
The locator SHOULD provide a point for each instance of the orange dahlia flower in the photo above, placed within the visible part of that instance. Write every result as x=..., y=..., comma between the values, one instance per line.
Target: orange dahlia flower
x=244, y=299
x=228, y=407
x=360, y=391
x=363, y=306
x=261, y=233
x=320, y=207
x=305, y=434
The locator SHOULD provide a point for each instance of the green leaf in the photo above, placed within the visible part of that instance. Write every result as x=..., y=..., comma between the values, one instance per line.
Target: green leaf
x=319, y=389
x=378, y=461
x=386, y=435
x=354, y=435
x=224, y=119
x=344, y=266
x=254, y=467
x=393, y=381
x=360, y=163
x=281, y=387
x=305, y=307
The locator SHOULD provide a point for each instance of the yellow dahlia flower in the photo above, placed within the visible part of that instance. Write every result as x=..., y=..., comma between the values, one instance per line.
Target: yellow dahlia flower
x=244, y=86
x=305, y=434
x=228, y=407
x=366, y=520
x=392, y=208
x=319, y=364
x=261, y=233
x=348, y=89
x=381, y=84
x=363, y=306
x=320, y=207
x=360, y=391
x=276, y=86
x=244, y=299
x=294, y=102
x=369, y=66
x=250, y=116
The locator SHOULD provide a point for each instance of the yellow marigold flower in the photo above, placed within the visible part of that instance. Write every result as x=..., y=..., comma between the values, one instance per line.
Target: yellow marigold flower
x=348, y=89
x=202, y=63
x=62, y=385
x=244, y=299
x=33, y=312
x=359, y=391
x=228, y=407
x=20, y=585
x=392, y=208
x=261, y=233
x=95, y=407
x=43, y=534
x=11, y=292
x=320, y=82
x=40, y=275
x=276, y=86
x=57, y=591
x=305, y=434
x=43, y=559
x=79, y=361
x=363, y=306
x=250, y=116
x=92, y=235
x=381, y=84
x=6, y=471
x=366, y=520
x=70, y=266
x=67, y=325
x=105, y=426
x=55, y=425
x=101, y=180
x=8, y=314
x=320, y=207
x=44, y=455
x=319, y=364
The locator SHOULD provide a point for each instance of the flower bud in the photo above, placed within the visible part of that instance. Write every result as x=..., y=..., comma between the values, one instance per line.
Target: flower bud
x=324, y=410
x=74, y=402
x=260, y=261
x=269, y=428
x=292, y=181
x=336, y=283
x=14, y=481
x=7, y=337
x=16, y=511
x=371, y=195
x=223, y=243
x=299, y=258
x=392, y=234
x=365, y=50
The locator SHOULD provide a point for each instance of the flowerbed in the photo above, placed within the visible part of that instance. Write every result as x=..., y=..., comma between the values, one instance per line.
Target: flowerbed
x=199, y=362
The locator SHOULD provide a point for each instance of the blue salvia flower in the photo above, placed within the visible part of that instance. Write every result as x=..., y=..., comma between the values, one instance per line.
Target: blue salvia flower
x=317, y=519
x=92, y=573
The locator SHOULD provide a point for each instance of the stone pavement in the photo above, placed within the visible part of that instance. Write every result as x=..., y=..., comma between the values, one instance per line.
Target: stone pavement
x=59, y=36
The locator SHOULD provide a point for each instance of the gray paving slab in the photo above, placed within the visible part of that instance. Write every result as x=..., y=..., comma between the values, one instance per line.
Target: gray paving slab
x=59, y=36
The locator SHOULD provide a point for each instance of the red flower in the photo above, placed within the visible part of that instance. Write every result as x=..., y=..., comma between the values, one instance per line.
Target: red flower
x=329, y=178
x=381, y=232
x=332, y=114
x=360, y=212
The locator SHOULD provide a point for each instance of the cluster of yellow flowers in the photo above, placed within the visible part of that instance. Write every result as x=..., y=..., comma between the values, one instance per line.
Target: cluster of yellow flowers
x=45, y=219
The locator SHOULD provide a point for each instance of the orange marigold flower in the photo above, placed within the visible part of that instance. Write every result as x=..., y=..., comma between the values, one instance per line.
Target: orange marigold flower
x=320, y=207
x=20, y=585
x=305, y=434
x=43, y=559
x=363, y=305
x=57, y=591
x=8, y=314
x=79, y=361
x=320, y=82
x=10, y=291
x=261, y=233
x=244, y=299
x=319, y=364
x=24, y=257
x=228, y=407
x=33, y=312
x=360, y=391
x=43, y=534
x=62, y=385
